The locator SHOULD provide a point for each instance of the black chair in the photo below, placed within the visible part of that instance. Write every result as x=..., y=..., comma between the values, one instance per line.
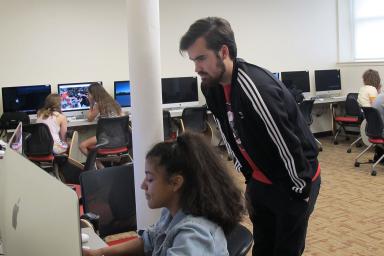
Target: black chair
x=239, y=241
x=10, y=120
x=110, y=194
x=169, y=133
x=114, y=141
x=375, y=132
x=306, y=110
x=195, y=119
x=38, y=147
x=352, y=118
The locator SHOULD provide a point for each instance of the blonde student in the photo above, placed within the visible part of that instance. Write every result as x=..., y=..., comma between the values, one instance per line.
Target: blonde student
x=371, y=88
x=50, y=114
x=199, y=198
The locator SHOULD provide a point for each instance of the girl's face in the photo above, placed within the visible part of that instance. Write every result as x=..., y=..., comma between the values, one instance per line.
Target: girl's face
x=159, y=190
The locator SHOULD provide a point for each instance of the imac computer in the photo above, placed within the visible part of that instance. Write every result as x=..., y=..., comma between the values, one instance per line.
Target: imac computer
x=122, y=93
x=39, y=214
x=25, y=98
x=298, y=80
x=74, y=98
x=328, y=82
x=179, y=92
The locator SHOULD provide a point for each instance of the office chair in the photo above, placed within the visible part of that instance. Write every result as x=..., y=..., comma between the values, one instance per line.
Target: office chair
x=10, y=120
x=375, y=132
x=306, y=109
x=195, y=119
x=38, y=147
x=239, y=241
x=110, y=194
x=352, y=118
x=169, y=133
x=114, y=140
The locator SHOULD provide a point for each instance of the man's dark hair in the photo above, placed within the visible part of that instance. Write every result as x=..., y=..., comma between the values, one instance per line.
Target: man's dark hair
x=216, y=32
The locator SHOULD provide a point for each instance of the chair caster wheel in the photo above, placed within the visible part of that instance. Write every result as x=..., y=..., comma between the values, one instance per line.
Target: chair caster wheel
x=357, y=164
x=349, y=150
x=373, y=173
x=320, y=149
x=335, y=142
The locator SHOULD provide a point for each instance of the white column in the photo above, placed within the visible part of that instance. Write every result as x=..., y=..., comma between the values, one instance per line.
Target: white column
x=144, y=74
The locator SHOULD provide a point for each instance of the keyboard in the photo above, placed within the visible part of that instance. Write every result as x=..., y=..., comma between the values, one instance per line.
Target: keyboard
x=338, y=97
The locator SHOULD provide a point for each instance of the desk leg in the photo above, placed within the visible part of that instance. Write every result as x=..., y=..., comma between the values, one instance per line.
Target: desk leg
x=333, y=114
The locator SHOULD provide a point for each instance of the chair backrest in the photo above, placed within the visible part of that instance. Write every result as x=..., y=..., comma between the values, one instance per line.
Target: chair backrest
x=10, y=120
x=194, y=119
x=116, y=130
x=167, y=123
x=306, y=109
x=375, y=126
x=110, y=193
x=239, y=241
x=352, y=107
x=38, y=140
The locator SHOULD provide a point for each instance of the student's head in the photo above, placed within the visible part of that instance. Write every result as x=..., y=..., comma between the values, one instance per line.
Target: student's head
x=105, y=102
x=210, y=44
x=187, y=174
x=372, y=77
x=52, y=104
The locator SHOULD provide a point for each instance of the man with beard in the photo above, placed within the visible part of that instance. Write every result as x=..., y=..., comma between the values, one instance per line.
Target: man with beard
x=265, y=134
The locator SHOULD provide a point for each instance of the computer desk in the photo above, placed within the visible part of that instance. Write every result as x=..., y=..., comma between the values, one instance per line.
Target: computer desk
x=94, y=242
x=333, y=103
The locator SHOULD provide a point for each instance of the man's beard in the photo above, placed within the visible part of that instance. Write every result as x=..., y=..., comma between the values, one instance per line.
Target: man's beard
x=213, y=81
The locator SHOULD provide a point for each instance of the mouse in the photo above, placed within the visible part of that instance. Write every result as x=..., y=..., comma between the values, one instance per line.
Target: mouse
x=86, y=247
x=84, y=238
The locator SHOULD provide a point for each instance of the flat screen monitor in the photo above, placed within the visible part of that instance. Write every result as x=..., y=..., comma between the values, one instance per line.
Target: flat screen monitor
x=74, y=96
x=276, y=74
x=298, y=80
x=39, y=214
x=122, y=93
x=25, y=98
x=328, y=82
x=179, y=92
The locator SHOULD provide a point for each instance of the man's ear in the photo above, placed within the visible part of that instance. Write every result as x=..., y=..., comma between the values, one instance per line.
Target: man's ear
x=224, y=52
x=177, y=182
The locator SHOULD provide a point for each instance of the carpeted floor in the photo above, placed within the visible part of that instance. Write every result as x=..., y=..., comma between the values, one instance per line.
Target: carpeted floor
x=349, y=215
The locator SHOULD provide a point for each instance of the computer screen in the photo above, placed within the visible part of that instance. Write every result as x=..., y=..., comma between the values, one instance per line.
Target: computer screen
x=122, y=93
x=74, y=96
x=25, y=98
x=327, y=81
x=179, y=92
x=39, y=214
x=296, y=79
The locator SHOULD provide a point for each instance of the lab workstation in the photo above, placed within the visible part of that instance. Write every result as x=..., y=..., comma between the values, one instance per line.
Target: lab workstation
x=134, y=127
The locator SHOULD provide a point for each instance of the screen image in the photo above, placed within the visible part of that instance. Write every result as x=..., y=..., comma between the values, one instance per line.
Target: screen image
x=296, y=79
x=122, y=93
x=327, y=80
x=74, y=96
x=178, y=91
x=25, y=98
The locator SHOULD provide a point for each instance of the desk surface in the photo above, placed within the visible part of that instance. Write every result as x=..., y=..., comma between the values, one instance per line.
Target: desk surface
x=330, y=100
x=95, y=242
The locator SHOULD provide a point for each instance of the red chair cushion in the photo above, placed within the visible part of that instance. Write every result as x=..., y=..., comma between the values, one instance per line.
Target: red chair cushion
x=112, y=151
x=347, y=119
x=41, y=158
x=376, y=141
x=120, y=241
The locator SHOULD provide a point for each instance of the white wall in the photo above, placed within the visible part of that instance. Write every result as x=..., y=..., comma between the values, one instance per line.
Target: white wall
x=54, y=41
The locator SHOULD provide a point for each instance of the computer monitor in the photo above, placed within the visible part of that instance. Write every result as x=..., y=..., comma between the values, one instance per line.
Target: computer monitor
x=122, y=93
x=276, y=74
x=25, y=98
x=328, y=82
x=179, y=92
x=298, y=80
x=74, y=96
x=39, y=214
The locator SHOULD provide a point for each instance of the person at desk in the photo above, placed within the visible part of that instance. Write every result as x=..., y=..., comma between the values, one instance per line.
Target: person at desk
x=101, y=105
x=199, y=198
x=50, y=114
x=264, y=132
x=371, y=88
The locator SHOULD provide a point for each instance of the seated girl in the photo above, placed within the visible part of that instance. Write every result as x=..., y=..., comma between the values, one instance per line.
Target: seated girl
x=199, y=198
x=101, y=105
x=50, y=114
x=371, y=88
